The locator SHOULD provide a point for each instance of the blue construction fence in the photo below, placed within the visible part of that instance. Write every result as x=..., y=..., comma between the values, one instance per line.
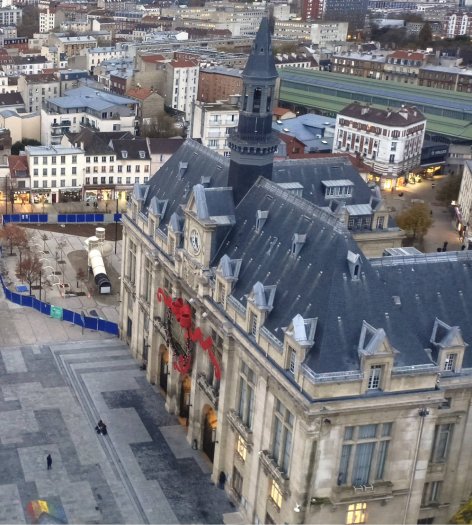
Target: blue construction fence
x=94, y=323
x=63, y=218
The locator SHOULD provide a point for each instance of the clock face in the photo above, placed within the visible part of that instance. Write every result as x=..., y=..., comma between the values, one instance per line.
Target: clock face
x=195, y=241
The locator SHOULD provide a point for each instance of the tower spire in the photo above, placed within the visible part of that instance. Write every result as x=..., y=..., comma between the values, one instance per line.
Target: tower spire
x=253, y=143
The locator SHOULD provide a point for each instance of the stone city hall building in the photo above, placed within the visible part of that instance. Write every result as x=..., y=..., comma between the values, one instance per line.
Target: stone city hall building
x=328, y=387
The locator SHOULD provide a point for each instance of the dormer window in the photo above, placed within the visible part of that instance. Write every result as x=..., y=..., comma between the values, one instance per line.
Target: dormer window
x=341, y=188
x=292, y=360
x=261, y=217
x=253, y=324
x=375, y=377
x=142, y=154
x=450, y=363
x=124, y=154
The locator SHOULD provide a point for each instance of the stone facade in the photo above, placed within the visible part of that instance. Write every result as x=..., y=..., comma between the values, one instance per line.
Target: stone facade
x=328, y=388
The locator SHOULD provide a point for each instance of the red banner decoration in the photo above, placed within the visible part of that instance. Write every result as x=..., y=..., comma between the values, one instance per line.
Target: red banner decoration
x=183, y=315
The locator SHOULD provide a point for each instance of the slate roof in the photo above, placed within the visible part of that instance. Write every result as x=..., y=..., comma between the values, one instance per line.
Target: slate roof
x=175, y=180
x=430, y=286
x=258, y=66
x=386, y=117
x=157, y=145
x=317, y=282
x=310, y=173
x=135, y=148
x=11, y=99
x=96, y=142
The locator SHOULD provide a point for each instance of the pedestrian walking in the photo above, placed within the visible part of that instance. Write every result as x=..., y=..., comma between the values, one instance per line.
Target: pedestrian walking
x=49, y=461
x=222, y=480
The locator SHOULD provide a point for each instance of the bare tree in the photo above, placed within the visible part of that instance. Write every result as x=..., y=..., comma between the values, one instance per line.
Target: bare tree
x=30, y=269
x=44, y=238
x=80, y=276
x=14, y=235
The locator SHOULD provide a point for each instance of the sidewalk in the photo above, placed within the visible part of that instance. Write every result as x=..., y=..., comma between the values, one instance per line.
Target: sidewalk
x=443, y=228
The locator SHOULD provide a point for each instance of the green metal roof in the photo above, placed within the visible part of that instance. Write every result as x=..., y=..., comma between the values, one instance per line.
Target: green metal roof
x=448, y=113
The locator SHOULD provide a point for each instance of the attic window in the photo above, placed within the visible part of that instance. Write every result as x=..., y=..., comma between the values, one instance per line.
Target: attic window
x=298, y=240
x=206, y=181
x=182, y=169
x=124, y=154
x=354, y=262
x=261, y=217
x=142, y=154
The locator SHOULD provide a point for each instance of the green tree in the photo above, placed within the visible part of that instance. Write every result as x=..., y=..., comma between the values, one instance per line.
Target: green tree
x=20, y=145
x=449, y=191
x=162, y=126
x=416, y=220
x=425, y=36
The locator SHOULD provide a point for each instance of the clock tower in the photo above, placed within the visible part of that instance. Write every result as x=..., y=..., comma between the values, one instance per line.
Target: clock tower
x=253, y=142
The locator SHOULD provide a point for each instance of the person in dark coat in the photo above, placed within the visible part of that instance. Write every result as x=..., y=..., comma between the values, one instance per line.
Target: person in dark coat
x=222, y=480
x=49, y=461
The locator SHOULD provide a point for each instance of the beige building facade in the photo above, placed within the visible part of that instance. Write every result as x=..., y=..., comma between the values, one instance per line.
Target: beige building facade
x=328, y=388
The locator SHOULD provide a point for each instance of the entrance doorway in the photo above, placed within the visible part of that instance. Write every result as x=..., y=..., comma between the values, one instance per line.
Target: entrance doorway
x=164, y=368
x=185, y=391
x=209, y=433
x=129, y=329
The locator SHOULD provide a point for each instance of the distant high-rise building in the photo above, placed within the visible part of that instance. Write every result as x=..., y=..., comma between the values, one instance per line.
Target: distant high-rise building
x=352, y=11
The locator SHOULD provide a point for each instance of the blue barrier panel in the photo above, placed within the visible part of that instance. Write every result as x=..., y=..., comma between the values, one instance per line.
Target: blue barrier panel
x=61, y=217
x=91, y=322
x=67, y=315
x=27, y=300
x=71, y=218
x=8, y=294
x=117, y=217
x=16, y=298
x=36, y=304
x=108, y=326
x=89, y=217
x=81, y=217
x=6, y=219
x=15, y=217
x=43, y=217
x=99, y=217
x=46, y=308
x=34, y=217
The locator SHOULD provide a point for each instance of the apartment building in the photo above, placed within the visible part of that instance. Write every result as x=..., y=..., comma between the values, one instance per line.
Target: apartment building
x=213, y=122
x=218, y=83
x=85, y=106
x=56, y=172
x=47, y=20
x=26, y=65
x=365, y=65
x=319, y=33
x=35, y=89
x=10, y=16
x=181, y=86
x=404, y=66
x=73, y=45
x=458, y=24
x=113, y=162
x=390, y=141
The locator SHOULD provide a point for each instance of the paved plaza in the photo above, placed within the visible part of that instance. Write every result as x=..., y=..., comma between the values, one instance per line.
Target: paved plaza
x=55, y=384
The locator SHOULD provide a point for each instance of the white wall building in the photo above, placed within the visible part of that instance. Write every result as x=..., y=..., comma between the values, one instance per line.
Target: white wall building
x=464, y=201
x=27, y=65
x=54, y=170
x=85, y=106
x=390, y=141
x=35, y=89
x=95, y=56
x=47, y=20
x=10, y=16
x=212, y=124
x=315, y=32
x=181, y=85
